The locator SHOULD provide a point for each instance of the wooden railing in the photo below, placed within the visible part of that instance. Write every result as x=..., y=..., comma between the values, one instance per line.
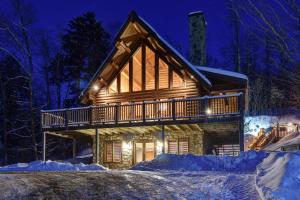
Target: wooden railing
x=148, y=111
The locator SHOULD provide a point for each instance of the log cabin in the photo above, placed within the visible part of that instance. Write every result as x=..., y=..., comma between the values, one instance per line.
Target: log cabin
x=147, y=99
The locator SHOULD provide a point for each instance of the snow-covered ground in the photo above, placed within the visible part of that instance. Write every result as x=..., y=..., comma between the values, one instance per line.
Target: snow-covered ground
x=278, y=176
x=249, y=176
x=126, y=184
x=49, y=166
x=246, y=161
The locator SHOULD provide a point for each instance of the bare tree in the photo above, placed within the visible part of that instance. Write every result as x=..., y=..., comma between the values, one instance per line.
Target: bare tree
x=16, y=31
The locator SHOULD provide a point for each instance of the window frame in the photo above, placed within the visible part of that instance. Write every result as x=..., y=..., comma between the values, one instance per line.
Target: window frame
x=113, y=154
x=178, y=140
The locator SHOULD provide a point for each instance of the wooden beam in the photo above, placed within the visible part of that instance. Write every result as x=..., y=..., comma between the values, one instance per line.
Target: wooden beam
x=137, y=28
x=163, y=138
x=60, y=135
x=97, y=145
x=74, y=148
x=44, y=145
x=121, y=44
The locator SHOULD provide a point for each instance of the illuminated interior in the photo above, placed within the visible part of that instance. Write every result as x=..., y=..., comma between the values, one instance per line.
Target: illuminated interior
x=137, y=71
x=124, y=79
x=137, y=74
x=150, y=69
x=112, y=89
x=163, y=81
x=177, y=80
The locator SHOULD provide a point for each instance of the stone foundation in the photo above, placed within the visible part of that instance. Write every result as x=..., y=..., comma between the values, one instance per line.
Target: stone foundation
x=195, y=139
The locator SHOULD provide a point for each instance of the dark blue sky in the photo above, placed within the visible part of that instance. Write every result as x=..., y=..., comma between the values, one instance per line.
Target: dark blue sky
x=168, y=17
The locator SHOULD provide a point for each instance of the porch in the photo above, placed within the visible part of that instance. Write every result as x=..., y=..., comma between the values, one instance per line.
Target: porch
x=175, y=111
x=198, y=125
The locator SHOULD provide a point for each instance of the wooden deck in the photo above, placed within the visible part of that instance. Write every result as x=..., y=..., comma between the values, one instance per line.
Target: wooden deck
x=175, y=111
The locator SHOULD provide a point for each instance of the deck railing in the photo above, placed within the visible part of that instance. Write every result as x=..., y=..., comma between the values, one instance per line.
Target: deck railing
x=147, y=111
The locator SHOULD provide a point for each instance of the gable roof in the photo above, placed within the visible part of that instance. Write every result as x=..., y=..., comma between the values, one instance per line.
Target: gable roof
x=150, y=32
x=222, y=72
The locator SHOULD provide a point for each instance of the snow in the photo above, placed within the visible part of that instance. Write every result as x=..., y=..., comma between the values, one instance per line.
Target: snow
x=126, y=184
x=292, y=138
x=49, y=166
x=246, y=161
x=278, y=176
x=86, y=153
x=222, y=71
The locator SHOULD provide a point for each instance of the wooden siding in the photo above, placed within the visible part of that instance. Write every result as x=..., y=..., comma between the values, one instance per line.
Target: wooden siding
x=189, y=90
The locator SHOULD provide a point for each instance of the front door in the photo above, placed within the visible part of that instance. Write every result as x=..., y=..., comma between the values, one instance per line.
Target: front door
x=144, y=151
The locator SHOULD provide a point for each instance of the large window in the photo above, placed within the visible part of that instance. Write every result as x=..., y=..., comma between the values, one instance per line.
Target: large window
x=124, y=79
x=137, y=71
x=163, y=75
x=113, y=151
x=180, y=146
x=145, y=71
x=150, y=69
x=113, y=88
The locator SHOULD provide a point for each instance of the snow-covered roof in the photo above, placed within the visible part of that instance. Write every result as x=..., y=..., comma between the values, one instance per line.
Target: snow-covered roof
x=196, y=12
x=222, y=72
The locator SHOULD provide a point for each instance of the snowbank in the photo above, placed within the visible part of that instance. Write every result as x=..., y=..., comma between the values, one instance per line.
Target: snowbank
x=246, y=161
x=293, y=138
x=49, y=166
x=278, y=176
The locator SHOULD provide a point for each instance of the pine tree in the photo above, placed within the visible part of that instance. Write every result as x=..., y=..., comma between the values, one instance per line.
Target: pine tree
x=85, y=45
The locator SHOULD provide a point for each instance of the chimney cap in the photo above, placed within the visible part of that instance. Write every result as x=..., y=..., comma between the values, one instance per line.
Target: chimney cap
x=195, y=13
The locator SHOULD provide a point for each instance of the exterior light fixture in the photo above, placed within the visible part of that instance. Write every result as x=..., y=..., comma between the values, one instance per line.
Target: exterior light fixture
x=126, y=146
x=208, y=111
x=192, y=77
x=96, y=87
x=159, y=146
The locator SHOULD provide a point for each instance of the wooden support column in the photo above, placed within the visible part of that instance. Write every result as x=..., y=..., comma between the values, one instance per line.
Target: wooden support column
x=74, y=148
x=241, y=122
x=97, y=146
x=44, y=145
x=163, y=138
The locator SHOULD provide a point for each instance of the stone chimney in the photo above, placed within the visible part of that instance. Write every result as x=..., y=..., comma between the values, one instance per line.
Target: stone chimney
x=197, y=38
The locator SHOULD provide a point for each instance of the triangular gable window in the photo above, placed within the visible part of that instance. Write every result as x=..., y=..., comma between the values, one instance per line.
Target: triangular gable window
x=177, y=80
x=113, y=88
x=150, y=69
x=132, y=76
x=163, y=75
x=137, y=71
x=124, y=79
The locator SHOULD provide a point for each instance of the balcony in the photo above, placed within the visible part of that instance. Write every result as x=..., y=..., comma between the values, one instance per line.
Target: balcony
x=189, y=110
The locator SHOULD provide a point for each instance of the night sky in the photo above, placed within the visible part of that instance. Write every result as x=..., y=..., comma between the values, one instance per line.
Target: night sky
x=168, y=17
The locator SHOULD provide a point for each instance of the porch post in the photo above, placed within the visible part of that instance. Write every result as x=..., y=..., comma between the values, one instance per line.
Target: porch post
x=44, y=145
x=74, y=148
x=163, y=138
x=241, y=121
x=97, y=146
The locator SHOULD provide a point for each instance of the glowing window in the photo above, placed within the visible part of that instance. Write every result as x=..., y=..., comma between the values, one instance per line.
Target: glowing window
x=150, y=69
x=177, y=80
x=163, y=75
x=137, y=71
x=124, y=79
x=113, y=87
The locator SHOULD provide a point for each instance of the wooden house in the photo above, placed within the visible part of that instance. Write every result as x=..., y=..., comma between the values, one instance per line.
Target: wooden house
x=147, y=99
